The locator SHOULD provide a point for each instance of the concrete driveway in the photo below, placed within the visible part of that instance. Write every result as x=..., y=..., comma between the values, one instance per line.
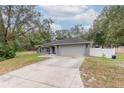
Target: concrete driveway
x=57, y=72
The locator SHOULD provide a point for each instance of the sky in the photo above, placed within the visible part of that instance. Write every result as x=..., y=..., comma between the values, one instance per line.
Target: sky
x=66, y=17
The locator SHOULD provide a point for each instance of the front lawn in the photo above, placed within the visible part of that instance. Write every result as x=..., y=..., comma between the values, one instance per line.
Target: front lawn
x=103, y=72
x=120, y=58
x=21, y=59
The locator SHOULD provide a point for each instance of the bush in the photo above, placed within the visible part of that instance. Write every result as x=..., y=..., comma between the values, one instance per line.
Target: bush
x=10, y=53
x=2, y=58
x=7, y=52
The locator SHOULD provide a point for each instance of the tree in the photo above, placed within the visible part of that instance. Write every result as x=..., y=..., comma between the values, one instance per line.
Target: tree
x=17, y=20
x=108, y=29
x=47, y=24
x=62, y=34
x=77, y=31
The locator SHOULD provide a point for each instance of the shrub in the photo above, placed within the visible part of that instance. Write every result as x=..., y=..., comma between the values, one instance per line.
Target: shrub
x=10, y=53
x=7, y=52
x=2, y=58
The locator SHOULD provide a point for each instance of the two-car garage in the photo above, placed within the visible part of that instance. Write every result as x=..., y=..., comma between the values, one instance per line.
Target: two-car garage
x=72, y=50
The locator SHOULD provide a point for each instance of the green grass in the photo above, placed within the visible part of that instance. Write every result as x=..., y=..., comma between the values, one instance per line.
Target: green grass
x=21, y=59
x=107, y=73
x=120, y=57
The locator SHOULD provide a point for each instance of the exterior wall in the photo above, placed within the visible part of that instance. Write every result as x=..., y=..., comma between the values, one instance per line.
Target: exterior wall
x=99, y=52
x=50, y=50
x=57, y=50
x=72, y=50
x=87, y=49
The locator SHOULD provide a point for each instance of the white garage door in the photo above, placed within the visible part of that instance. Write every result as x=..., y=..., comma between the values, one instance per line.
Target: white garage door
x=72, y=50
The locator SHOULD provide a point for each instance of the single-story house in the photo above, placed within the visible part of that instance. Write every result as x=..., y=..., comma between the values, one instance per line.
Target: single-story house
x=74, y=47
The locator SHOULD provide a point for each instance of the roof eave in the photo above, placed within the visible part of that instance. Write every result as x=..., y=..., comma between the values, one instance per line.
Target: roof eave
x=69, y=43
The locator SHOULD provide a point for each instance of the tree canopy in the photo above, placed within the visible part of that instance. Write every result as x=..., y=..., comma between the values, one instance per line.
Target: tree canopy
x=23, y=26
x=108, y=28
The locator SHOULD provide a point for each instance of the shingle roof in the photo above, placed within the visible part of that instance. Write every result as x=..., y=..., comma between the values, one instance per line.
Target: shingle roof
x=66, y=42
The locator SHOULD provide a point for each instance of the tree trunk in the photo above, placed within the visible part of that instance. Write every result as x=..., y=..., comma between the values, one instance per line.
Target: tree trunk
x=8, y=25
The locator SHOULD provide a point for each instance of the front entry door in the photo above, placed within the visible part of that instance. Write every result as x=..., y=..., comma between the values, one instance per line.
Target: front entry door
x=53, y=50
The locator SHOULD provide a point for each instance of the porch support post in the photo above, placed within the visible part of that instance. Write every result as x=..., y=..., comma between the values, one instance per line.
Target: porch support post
x=50, y=50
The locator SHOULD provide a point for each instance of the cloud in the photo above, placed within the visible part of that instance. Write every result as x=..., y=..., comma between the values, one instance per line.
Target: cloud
x=60, y=10
x=77, y=14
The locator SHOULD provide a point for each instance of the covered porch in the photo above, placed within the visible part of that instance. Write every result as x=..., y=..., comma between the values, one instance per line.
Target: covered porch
x=48, y=50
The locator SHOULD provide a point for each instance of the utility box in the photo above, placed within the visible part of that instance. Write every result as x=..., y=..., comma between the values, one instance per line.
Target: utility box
x=113, y=56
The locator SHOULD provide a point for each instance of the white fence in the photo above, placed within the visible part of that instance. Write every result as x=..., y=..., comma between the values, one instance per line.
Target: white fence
x=100, y=52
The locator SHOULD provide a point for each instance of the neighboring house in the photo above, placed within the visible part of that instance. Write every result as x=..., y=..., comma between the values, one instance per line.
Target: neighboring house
x=74, y=47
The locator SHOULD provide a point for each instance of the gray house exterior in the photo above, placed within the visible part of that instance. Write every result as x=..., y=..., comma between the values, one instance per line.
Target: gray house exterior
x=74, y=47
